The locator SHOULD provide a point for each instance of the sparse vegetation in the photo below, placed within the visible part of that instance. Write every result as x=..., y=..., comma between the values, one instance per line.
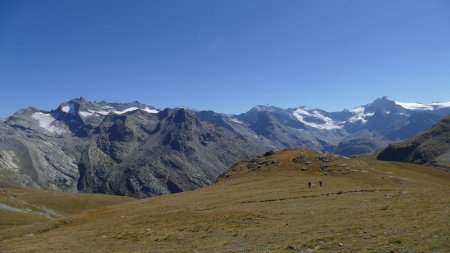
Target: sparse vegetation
x=368, y=205
x=26, y=211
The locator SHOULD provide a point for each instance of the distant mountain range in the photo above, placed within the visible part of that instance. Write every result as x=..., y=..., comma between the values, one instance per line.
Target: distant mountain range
x=138, y=150
x=348, y=132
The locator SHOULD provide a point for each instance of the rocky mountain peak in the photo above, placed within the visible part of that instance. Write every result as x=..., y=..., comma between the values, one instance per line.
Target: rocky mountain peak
x=183, y=116
x=267, y=108
x=165, y=113
x=383, y=104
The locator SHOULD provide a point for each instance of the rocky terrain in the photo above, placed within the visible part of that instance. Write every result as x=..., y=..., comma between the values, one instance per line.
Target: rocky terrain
x=124, y=149
x=138, y=150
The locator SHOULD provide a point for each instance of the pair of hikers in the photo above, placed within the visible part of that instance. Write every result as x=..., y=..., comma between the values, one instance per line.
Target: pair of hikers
x=320, y=184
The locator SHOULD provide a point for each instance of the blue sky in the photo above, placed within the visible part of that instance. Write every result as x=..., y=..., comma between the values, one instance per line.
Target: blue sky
x=224, y=55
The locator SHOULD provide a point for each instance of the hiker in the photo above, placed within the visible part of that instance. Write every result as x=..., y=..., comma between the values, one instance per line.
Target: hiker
x=309, y=184
x=320, y=183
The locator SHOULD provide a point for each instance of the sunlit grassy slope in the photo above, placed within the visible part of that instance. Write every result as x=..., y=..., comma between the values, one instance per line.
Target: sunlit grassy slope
x=28, y=211
x=264, y=204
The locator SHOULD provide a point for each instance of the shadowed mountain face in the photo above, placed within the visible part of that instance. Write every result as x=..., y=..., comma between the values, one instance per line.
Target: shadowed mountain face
x=126, y=149
x=134, y=149
x=431, y=147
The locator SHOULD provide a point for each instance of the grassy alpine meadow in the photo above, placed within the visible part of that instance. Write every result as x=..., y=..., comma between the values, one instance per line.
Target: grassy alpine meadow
x=264, y=204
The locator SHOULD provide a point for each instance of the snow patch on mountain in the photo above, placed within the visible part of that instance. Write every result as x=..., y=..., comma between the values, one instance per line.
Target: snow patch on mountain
x=423, y=107
x=85, y=114
x=126, y=110
x=360, y=115
x=109, y=109
x=131, y=109
x=328, y=123
x=101, y=112
x=415, y=106
x=237, y=121
x=147, y=109
x=90, y=113
x=439, y=105
x=65, y=108
x=46, y=121
x=68, y=108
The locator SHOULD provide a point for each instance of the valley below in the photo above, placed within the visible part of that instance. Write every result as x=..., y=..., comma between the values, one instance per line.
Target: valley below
x=262, y=204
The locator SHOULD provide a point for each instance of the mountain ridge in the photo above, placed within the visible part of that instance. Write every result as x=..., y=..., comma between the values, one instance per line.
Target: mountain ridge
x=431, y=147
x=138, y=150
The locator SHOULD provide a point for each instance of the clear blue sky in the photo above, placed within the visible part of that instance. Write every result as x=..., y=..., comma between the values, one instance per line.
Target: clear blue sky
x=226, y=55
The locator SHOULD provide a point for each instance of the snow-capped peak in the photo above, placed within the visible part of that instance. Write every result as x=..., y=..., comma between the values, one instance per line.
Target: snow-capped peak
x=267, y=107
x=384, y=103
x=384, y=98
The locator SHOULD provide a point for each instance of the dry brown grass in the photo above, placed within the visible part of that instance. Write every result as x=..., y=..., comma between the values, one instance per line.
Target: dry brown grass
x=265, y=205
x=26, y=211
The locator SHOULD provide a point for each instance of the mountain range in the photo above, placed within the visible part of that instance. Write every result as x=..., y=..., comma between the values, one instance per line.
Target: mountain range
x=138, y=150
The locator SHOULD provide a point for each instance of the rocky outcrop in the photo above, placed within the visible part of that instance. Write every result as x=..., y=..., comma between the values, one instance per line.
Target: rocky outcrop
x=431, y=147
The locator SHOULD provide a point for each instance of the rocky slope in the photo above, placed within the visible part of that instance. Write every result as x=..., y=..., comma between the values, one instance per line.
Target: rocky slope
x=125, y=149
x=431, y=147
